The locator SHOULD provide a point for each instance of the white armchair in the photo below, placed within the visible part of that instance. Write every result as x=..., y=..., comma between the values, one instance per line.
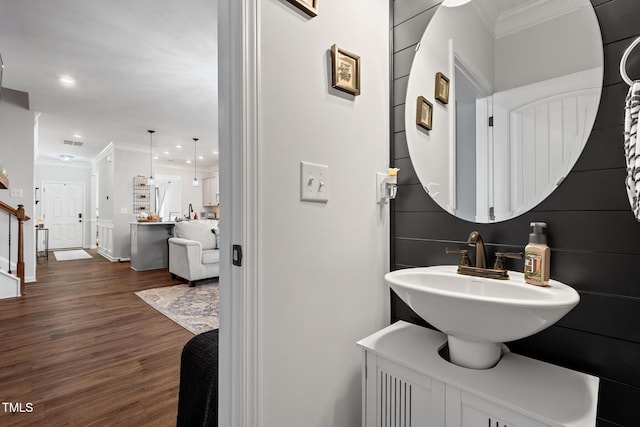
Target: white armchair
x=193, y=251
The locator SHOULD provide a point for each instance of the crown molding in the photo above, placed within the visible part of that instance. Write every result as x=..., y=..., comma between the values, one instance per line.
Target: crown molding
x=534, y=13
x=132, y=147
x=106, y=151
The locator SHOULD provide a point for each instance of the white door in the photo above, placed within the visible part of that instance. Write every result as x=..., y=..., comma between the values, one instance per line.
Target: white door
x=538, y=135
x=63, y=214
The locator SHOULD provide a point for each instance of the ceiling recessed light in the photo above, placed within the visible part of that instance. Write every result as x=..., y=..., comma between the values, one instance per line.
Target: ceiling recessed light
x=166, y=152
x=178, y=146
x=201, y=157
x=214, y=152
x=77, y=135
x=188, y=161
x=155, y=157
x=66, y=158
x=67, y=81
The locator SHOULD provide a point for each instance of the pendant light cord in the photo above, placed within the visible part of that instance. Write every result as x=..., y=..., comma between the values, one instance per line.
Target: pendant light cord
x=195, y=160
x=151, y=153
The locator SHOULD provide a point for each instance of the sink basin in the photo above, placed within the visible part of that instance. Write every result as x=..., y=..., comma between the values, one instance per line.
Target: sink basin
x=480, y=314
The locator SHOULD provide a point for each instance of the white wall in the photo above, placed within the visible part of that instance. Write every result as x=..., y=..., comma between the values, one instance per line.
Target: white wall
x=474, y=44
x=17, y=155
x=190, y=194
x=116, y=167
x=103, y=172
x=127, y=164
x=321, y=267
x=525, y=57
x=62, y=172
x=105, y=169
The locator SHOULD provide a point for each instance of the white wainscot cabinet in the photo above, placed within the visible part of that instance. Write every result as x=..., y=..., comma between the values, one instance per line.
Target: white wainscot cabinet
x=406, y=383
x=210, y=191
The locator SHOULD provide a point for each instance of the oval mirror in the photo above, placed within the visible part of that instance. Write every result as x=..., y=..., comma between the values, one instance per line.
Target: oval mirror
x=501, y=99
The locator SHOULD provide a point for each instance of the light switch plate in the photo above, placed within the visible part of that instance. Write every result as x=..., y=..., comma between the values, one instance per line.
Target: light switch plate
x=16, y=192
x=314, y=182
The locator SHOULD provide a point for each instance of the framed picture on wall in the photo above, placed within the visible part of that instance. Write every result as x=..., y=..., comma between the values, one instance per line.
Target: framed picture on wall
x=345, y=70
x=310, y=7
x=424, y=113
x=442, y=88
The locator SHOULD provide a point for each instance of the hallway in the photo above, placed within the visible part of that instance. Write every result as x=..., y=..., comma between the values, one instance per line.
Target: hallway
x=84, y=350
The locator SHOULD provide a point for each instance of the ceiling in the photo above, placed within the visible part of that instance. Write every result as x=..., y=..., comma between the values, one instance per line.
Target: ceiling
x=137, y=65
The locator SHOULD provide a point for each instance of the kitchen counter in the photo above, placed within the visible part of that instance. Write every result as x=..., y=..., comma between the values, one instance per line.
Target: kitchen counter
x=149, y=246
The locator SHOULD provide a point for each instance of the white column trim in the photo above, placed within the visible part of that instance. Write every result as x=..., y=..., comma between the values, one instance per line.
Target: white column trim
x=239, y=354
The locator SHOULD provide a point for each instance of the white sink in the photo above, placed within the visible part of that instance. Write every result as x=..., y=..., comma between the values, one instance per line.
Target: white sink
x=479, y=314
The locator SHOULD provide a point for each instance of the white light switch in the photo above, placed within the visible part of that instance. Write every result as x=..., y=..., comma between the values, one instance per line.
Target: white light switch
x=123, y=210
x=314, y=182
x=16, y=192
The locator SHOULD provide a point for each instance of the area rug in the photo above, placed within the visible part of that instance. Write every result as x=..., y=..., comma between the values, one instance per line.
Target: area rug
x=195, y=309
x=71, y=255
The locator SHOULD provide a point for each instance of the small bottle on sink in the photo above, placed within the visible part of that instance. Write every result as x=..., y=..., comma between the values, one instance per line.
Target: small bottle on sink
x=537, y=256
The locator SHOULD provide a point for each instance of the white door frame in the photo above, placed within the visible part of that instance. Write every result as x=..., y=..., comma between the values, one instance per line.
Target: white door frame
x=239, y=350
x=43, y=197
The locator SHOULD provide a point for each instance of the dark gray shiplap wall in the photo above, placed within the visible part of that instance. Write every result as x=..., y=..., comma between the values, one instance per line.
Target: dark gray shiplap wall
x=594, y=238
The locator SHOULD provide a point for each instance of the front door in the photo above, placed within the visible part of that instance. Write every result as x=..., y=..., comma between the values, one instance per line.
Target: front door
x=63, y=214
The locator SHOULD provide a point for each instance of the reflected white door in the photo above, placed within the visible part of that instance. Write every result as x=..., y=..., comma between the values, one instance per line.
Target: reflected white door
x=538, y=134
x=63, y=214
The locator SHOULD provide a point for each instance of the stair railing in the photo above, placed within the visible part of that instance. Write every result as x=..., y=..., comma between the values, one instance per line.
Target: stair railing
x=19, y=213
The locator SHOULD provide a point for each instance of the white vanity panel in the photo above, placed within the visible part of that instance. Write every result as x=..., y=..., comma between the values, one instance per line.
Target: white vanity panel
x=517, y=392
x=402, y=397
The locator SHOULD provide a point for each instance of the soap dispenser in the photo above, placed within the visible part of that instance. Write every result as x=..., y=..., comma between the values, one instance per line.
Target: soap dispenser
x=537, y=256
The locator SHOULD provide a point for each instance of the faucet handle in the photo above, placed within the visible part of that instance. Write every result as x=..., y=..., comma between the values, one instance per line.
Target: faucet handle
x=500, y=256
x=464, y=259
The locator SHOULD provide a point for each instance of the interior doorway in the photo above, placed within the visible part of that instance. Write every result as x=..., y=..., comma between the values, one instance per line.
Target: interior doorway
x=63, y=213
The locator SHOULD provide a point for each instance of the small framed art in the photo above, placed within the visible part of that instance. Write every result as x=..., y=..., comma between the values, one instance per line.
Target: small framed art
x=310, y=7
x=424, y=113
x=345, y=70
x=442, y=88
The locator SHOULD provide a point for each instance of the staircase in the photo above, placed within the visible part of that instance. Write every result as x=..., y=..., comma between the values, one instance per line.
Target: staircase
x=12, y=286
x=9, y=285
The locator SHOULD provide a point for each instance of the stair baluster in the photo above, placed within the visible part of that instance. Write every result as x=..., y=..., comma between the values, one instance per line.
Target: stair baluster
x=19, y=213
x=9, y=268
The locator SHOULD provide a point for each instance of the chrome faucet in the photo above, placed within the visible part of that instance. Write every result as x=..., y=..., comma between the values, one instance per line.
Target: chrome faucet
x=481, y=257
x=190, y=210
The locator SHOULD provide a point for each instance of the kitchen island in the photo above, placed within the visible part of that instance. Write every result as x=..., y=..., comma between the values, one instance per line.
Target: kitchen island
x=149, y=247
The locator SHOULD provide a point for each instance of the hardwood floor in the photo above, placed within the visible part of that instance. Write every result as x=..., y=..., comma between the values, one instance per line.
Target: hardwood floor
x=84, y=350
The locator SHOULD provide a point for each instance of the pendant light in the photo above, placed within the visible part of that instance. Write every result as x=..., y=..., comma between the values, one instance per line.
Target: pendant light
x=151, y=181
x=195, y=182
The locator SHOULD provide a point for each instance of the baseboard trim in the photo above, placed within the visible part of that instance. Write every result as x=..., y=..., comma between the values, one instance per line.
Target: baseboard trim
x=107, y=256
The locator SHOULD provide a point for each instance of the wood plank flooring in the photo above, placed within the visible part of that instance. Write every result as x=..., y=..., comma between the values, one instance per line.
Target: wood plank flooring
x=84, y=350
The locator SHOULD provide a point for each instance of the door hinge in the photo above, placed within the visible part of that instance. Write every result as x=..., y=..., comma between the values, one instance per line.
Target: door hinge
x=490, y=121
x=237, y=255
x=492, y=215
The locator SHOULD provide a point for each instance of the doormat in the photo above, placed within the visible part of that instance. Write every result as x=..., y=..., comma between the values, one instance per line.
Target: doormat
x=193, y=308
x=71, y=255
